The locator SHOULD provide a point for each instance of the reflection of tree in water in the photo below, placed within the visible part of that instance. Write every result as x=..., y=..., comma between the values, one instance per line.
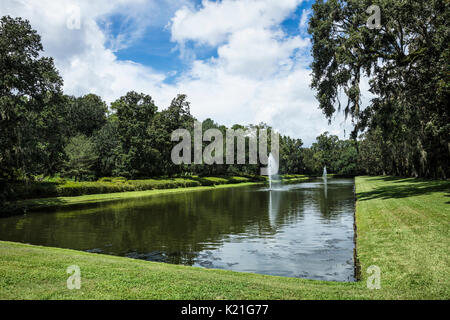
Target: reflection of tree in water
x=173, y=228
x=334, y=198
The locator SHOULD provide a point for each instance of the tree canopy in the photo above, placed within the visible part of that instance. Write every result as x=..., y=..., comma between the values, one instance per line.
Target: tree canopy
x=406, y=63
x=30, y=90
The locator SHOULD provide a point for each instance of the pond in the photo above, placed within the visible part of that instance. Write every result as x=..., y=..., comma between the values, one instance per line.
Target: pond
x=301, y=230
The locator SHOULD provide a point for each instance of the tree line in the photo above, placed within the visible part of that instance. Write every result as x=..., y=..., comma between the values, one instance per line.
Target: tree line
x=44, y=132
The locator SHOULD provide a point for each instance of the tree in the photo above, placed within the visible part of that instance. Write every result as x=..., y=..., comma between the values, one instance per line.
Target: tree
x=85, y=115
x=407, y=63
x=370, y=156
x=347, y=162
x=81, y=158
x=326, y=151
x=291, y=155
x=30, y=88
x=135, y=113
x=107, y=146
x=176, y=116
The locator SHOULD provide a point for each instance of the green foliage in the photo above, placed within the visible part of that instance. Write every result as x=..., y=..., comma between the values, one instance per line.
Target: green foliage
x=291, y=157
x=339, y=156
x=81, y=157
x=85, y=115
x=407, y=63
x=107, y=146
x=370, y=157
x=44, y=132
x=29, y=91
x=176, y=116
x=135, y=113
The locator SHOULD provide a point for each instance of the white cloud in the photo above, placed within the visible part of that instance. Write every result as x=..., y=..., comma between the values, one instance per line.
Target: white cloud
x=304, y=19
x=259, y=74
x=81, y=55
x=216, y=20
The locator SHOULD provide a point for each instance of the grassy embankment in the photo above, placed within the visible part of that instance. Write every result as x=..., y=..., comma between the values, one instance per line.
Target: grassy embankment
x=60, y=193
x=40, y=195
x=402, y=228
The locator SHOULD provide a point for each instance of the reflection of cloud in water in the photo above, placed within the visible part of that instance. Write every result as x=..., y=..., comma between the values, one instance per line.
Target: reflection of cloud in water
x=312, y=237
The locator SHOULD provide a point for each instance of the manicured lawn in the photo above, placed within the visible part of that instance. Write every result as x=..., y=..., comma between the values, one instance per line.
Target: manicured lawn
x=403, y=228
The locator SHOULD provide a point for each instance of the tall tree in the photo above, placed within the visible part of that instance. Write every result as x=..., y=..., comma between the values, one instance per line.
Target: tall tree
x=405, y=58
x=81, y=158
x=176, y=116
x=30, y=88
x=107, y=145
x=135, y=113
x=291, y=156
x=85, y=115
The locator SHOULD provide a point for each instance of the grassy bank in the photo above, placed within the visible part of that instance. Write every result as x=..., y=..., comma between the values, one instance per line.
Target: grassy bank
x=67, y=188
x=402, y=228
x=39, y=195
x=56, y=202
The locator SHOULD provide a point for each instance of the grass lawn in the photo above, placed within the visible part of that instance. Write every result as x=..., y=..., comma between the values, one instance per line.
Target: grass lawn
x=402, y=227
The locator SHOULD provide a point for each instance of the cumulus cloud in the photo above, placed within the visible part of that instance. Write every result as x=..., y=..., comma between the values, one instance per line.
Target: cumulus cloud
x=81, y=54
x=259, y=74
x=214, y=21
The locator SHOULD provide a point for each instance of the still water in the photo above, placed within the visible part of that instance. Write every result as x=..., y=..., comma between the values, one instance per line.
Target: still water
x=301, y=230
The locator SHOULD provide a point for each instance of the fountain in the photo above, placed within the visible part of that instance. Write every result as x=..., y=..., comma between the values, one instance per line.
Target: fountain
x=324, y=177
x=272, y=169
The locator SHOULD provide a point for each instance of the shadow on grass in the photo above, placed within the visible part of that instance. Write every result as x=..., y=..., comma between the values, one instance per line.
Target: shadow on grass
x=404, y=187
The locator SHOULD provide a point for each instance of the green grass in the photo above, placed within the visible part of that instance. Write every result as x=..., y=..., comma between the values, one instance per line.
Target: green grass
x=402, y=227
x=39, y=204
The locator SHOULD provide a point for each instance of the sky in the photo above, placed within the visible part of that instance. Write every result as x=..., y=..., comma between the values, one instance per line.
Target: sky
x=238, y=61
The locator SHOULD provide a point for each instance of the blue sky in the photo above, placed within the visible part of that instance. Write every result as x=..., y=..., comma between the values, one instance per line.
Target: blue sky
x=155, y=49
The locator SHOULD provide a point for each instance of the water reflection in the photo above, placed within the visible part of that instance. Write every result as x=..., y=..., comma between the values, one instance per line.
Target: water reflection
x=303, y=230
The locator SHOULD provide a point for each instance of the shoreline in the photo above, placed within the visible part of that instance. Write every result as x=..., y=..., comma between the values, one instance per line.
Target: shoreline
x=31, y=205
